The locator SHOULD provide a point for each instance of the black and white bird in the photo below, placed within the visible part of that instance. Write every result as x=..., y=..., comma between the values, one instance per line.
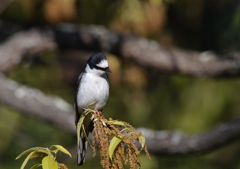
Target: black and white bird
x=93, y=87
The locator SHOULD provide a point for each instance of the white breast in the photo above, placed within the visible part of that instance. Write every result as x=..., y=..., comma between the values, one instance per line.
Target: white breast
x=92, y=89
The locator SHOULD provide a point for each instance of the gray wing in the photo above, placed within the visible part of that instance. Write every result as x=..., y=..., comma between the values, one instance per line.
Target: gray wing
x=77, y=114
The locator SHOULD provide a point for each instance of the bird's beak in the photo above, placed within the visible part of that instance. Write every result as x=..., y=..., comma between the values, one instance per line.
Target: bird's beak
x=108, y=70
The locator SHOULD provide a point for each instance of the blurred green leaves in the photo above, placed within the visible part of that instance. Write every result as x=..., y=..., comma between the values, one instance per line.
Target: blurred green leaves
x=8, y=126
x=45, y=73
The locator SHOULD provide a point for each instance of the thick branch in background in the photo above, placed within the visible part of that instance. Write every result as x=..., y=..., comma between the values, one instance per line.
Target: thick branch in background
x=149, y=53
x=177, y=143
x=24, y=44
x=33, y=102
x=97, y=38
x=58, y=112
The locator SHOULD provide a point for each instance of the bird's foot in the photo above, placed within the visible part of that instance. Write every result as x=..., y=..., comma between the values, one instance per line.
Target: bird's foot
x=96, y=114
x=99, y=113
x=84, y=112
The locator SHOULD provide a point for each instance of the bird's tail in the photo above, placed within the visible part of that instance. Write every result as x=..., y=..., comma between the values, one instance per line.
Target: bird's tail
x=81, y=150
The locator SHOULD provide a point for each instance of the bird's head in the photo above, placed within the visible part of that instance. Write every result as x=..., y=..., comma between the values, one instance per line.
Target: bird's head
x=97, y=64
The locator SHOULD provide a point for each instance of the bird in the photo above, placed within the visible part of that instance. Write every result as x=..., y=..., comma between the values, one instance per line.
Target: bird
x=92, y=92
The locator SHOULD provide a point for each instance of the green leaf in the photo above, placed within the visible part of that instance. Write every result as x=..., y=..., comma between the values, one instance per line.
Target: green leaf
x=90, y=104
x=62, y=149
x=37, y=149
x=35, y=166
x=113, y=144
x=26, y=159
x=79, y=126
x=54, y=151
x=49, y=163
x=142, y=141
x=115, y=122
x=125, y=129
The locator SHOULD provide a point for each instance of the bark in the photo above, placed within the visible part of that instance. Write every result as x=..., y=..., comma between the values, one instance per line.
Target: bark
x=24, y=44
x=147, y=53
x=178, y=143
x=56, y=111
x=34, y=103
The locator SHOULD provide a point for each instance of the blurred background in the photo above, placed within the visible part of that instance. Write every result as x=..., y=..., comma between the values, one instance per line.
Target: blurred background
x=143, y=97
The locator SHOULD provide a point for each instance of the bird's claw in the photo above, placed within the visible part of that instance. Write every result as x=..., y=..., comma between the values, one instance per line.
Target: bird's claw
x=84, y=113
x=96, y=114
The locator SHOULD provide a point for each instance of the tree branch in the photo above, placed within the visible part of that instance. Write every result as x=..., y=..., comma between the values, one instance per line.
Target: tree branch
x=58, y=112
x=177, y=143
x=97, y=38
x=33, y=102
x=173, y=60
x=149, y=53
x=23, y=44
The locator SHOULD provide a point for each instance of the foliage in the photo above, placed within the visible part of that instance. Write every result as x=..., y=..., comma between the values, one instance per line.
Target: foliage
x=112, y=137
x=46, y=155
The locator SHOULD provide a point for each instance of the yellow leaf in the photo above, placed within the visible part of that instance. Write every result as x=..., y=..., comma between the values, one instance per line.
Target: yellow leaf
x=142, y=141
x=118, y=123
x=28, y=151
x=79, y=126
x=49, y=163
x=26, y=159
x=113, y=144
x=62, y=149
x=35, y=166
x=90, y=104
